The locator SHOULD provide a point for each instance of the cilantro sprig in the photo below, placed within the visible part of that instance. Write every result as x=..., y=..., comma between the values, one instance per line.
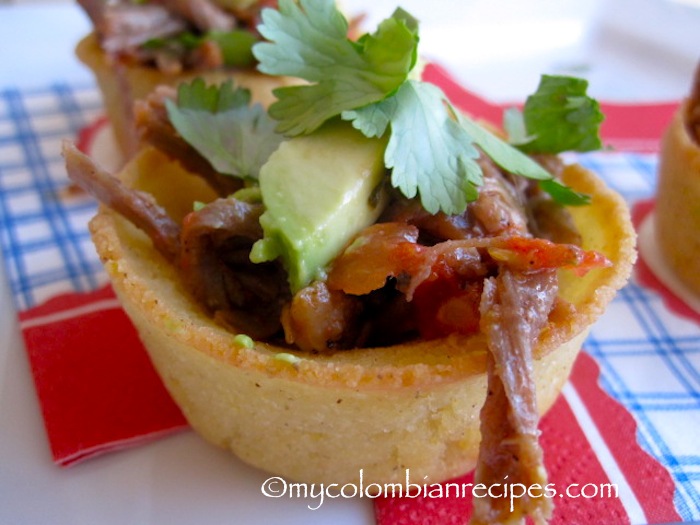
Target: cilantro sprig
x=235, y=137
x=432, y=149
x=308, y=39
x=558, y=117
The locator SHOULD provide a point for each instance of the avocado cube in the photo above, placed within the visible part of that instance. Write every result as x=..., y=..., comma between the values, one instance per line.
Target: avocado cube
x=319, y=191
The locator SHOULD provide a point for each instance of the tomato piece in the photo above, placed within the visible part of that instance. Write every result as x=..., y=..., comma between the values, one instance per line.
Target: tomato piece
x=380, y=251
x=444, y=304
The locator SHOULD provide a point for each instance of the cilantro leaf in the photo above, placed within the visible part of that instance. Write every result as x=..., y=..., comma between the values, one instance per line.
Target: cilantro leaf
x=431, y=154
x=563, y=194
x=199, y=96
x=308, y=40
x=219, y=122
x=561, y=117
x=374, y=119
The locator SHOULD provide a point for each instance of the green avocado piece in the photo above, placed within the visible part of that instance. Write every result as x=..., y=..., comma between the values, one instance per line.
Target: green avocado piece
x=319, y=191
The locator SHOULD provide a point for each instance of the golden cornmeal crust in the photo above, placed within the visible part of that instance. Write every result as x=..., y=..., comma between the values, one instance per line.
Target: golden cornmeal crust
x=412, y=406
x=678, y=202
x=122, y=85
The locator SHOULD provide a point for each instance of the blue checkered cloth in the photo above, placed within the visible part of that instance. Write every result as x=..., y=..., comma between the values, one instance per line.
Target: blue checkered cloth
x=649, y=357
x=44, y=240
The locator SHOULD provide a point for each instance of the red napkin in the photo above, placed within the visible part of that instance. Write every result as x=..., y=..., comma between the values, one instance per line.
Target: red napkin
x=587, y=439
x=97, y=388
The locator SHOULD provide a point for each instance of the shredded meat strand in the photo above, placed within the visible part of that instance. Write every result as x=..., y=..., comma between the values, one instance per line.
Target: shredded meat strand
x=137, y=206
x=433, y=227
x=122, y=26
x=514, y=309
x=321, y=319
x=205, y=15
x=215, y=265
x=498, y=208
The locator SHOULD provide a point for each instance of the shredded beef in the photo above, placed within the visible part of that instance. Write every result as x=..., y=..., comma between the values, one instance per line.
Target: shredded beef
x=123, y=26
x=205, y=15
x=137, y=206
x=498, y=208
x=216, y=267
x=250, y=15
x=514, y=309
x=433, y=228
x=319, y=319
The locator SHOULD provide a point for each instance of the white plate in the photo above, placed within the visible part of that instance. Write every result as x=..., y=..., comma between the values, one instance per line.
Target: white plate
x=651, y=252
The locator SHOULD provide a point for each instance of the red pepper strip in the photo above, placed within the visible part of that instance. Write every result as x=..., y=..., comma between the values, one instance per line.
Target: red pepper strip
x=529, y=255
